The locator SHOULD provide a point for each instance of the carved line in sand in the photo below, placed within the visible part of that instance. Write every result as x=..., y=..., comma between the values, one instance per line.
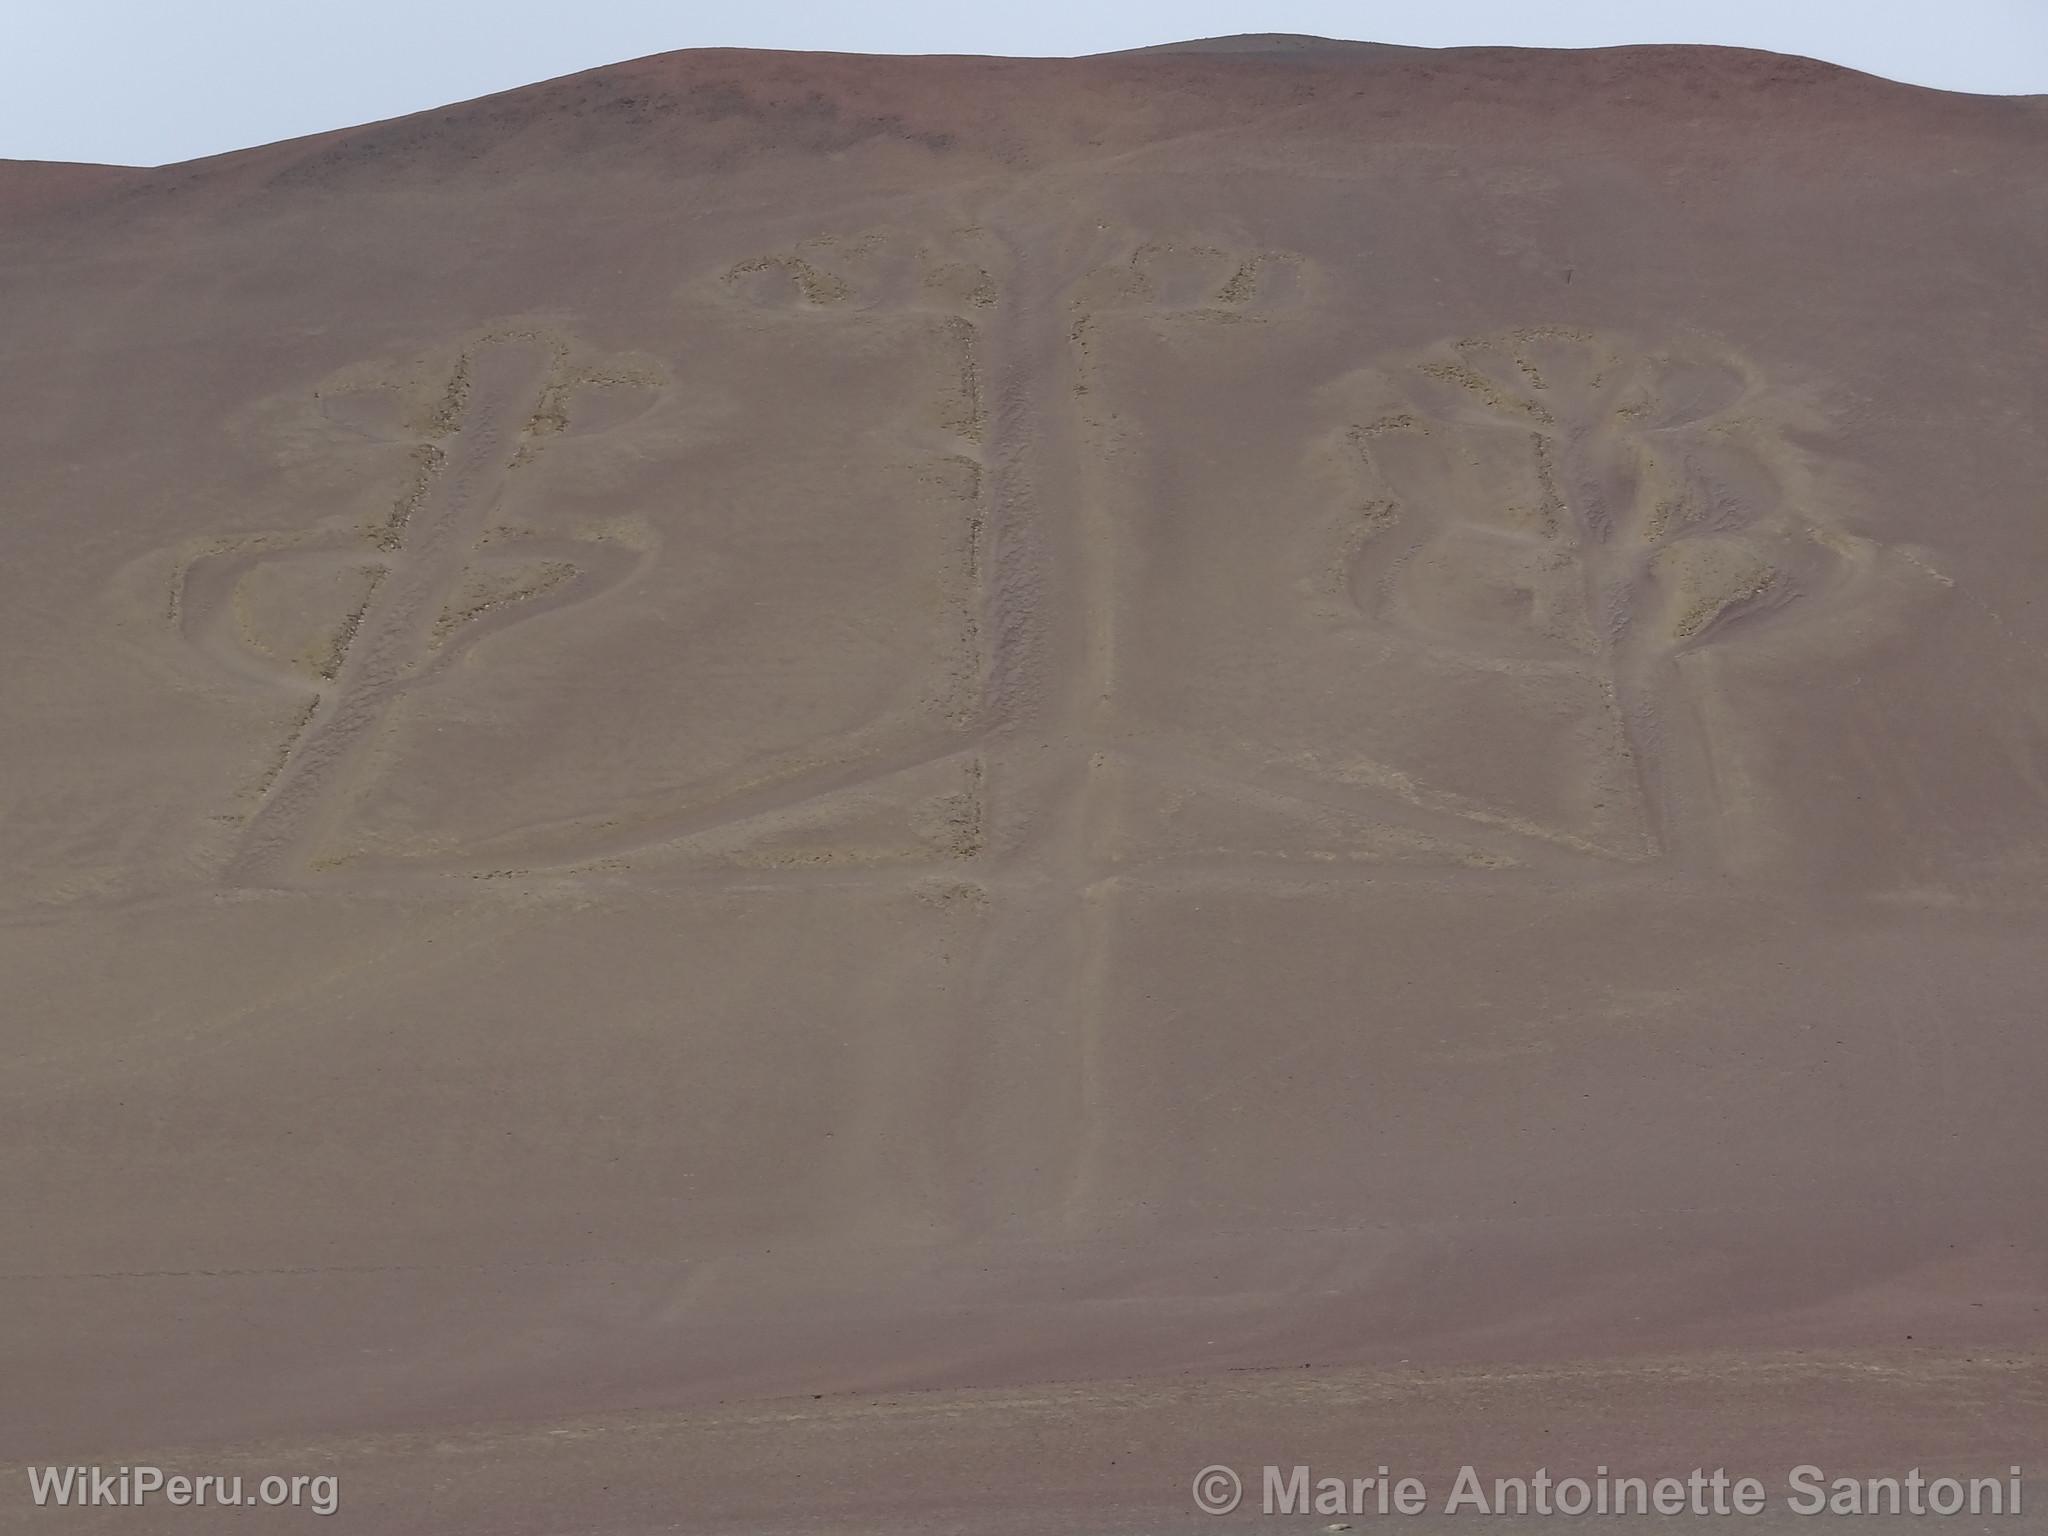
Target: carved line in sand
x=882, y=278
x=1177, y=283
x=1181, y=801
x=1547, y=501
x=925, y=801
x=350, y=620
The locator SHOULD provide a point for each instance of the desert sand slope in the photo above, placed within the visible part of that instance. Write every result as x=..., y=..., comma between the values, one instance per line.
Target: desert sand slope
x=767, y=790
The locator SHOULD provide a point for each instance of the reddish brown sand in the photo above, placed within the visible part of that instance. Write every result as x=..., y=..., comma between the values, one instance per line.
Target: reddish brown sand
x=771, y=791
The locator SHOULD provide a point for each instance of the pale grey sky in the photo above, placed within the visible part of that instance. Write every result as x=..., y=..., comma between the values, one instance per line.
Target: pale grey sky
x=146, y=82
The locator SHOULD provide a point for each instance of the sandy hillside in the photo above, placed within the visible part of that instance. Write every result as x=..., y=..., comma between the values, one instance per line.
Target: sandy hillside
x=766, y=790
